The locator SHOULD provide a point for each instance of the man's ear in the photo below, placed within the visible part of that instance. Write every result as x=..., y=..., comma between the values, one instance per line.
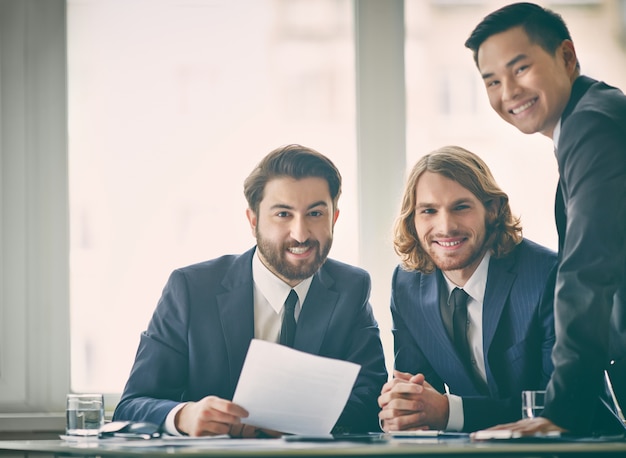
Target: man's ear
x=569, y=56
x=252, y=219
x=335, y=216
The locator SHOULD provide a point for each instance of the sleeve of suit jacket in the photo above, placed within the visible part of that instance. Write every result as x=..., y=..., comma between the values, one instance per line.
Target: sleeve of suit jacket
x=159, y=377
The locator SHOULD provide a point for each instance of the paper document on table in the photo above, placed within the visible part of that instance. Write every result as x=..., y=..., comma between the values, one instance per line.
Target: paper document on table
x=291, y=391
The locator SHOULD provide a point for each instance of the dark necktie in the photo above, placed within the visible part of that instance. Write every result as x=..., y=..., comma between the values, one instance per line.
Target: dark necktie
x=458, y=299
x=288, y=328
x=459, y=325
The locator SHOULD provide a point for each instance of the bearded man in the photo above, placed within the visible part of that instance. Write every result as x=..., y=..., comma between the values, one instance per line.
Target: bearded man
x=283, y=290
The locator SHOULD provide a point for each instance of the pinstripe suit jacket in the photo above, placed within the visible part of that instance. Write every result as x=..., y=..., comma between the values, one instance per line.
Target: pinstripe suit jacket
x=518, y=333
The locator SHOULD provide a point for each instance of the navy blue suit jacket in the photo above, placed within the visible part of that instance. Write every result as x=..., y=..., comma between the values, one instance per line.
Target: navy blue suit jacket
x=590, y=307
x=518, y=334
x=199, y=334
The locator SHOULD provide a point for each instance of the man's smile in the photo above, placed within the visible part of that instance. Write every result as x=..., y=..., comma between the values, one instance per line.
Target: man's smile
x=524, y=107
x=450, y=243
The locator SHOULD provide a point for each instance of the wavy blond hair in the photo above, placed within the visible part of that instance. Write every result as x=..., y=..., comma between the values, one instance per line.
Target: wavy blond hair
x=503, y=230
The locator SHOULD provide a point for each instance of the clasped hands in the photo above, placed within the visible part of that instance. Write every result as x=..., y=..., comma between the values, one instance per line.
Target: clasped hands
x=409, y=402
x=213, y=416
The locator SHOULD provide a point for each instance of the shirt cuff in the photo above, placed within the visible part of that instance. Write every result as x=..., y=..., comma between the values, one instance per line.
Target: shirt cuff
x=455, y=416
x=170, y=426
x=380, y=424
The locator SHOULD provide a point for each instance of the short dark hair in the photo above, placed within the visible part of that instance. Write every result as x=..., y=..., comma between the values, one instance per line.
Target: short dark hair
x=543, y=26
x=295, y=161
x=504, y=231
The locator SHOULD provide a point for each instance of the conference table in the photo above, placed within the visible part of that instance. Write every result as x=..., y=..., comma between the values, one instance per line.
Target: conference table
x=378, y=446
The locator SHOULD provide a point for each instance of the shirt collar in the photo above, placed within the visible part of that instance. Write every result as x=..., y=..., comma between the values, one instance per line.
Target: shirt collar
x=273, y=288
x=477, y=283
x=556, y=134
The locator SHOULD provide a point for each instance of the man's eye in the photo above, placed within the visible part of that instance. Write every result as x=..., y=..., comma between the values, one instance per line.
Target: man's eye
x=521, y=69
x=316, y=213
x=282, y=214
x=428, y=211
x=492, y=83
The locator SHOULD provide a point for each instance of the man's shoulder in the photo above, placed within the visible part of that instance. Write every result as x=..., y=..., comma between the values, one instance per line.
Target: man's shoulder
x=604, y=90
x=402, y=275
x=531, y=255
x=342, y=272
x=591, y=97
x=220, y=264
x=335, y=267
x=531, y=248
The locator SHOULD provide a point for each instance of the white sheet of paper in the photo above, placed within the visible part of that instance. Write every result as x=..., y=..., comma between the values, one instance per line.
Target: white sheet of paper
x=291, y=391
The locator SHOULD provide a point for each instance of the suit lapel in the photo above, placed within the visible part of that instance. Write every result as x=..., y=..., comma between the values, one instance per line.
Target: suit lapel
x=499, y=282
x=431, y=334
x=316, y=313
x=428, y=290
x=236, y=308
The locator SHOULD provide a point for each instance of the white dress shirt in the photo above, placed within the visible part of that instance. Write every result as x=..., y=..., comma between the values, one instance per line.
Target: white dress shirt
x=270, y=294
x=556, y=134
x=475, y=288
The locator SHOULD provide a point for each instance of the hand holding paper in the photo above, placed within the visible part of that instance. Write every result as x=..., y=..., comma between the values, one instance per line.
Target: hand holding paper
x=291, y=391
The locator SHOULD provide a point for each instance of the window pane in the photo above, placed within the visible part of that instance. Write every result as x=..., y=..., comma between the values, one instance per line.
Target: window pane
x=171, y=104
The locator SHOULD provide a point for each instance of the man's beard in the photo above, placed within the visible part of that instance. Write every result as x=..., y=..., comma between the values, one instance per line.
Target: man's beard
x=446, y=264
x=275, y=257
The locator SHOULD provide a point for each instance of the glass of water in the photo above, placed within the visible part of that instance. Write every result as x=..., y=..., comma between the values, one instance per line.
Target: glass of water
x=84, y=414
x=532, y=403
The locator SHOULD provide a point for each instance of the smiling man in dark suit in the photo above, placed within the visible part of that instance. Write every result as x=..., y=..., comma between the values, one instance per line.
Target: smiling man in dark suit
x=528, y=62
x=462, y=366
x=190, y=357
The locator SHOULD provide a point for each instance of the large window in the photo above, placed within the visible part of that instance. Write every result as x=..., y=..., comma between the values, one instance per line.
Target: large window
x=128, y=126
x=171, y=104
x=168, y=114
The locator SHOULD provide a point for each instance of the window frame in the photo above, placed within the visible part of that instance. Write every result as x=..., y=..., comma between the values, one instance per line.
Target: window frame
x=34, y=271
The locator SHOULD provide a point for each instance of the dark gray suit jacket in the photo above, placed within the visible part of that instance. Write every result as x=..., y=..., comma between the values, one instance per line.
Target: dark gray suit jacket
x=590, y=307
x=198, y=337
x=518, y=334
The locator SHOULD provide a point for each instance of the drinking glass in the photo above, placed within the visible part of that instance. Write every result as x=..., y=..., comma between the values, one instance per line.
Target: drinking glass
x=84, y=414
x=532, y=403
